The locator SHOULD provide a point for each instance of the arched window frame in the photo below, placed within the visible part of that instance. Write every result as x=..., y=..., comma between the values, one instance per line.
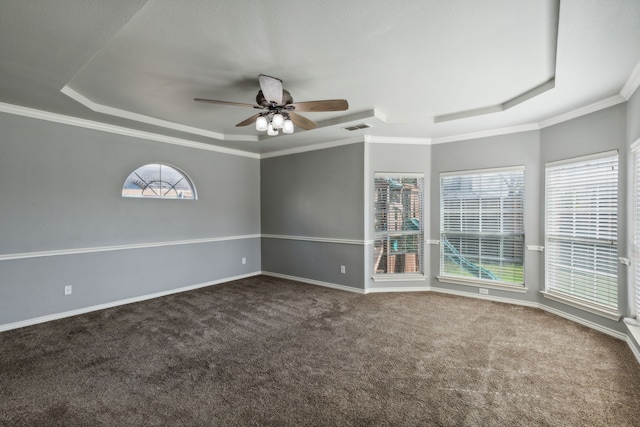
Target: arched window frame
x=151, y=184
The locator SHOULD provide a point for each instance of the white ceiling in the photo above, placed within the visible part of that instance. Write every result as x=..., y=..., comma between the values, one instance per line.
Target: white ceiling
x=405, y=67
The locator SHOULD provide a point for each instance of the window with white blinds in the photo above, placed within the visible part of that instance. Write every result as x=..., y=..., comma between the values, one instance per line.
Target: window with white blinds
x=581, y=244
x=398, y=224
x=482, y=225
x=635, y=239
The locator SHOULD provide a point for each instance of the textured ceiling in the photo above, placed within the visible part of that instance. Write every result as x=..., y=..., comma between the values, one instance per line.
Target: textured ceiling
x=424, y=69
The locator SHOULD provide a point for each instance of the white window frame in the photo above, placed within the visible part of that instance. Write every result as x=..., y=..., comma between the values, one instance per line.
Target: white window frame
x=505, y=232
x=635, y=227
x=389, y=235
x=150, y=183
x=567, y=253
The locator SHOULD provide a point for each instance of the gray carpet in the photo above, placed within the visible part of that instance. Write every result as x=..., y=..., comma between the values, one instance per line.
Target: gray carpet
x=265, y=351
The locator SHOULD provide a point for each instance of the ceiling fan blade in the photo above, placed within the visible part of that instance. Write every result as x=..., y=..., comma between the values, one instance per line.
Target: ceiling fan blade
x=326, y=105
x=247, y=122
x=302, y=122
x=213, y=101
x=271, y=88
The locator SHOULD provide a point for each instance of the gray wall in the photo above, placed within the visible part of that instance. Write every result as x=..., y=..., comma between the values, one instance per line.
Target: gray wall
x=518, y=149
x=60, y=188
x=314, y=194
x=596, y=132
x=314, y=197
x=633, y=117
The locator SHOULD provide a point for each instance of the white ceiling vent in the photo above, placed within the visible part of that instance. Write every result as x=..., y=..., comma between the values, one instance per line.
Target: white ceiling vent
x=357, y=127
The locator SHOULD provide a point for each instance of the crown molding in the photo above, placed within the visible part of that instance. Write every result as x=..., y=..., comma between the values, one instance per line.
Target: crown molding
x=314, y=147
x=117, y=112
x=370, y=116
x=548, y=85
x=582, y=111
x=632, y=84
x=569, y=115
x=629, y=88
x=89, y=124
x=393, y=140
x=498, y=108
x=627, y=91
x=486, y=133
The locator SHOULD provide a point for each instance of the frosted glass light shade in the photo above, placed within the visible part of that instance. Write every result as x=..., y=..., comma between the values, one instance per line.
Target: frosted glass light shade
x=287, y=127
x=271, y=131
x=277, y=121
x=262, y=123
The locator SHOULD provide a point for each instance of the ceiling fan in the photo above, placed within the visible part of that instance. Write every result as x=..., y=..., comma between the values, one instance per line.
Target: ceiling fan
x=280, y=112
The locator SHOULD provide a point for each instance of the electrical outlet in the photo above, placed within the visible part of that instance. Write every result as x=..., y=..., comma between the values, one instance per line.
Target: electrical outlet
x=68, y=290
x=244, y=260
x=484, y=291
x=343, y=269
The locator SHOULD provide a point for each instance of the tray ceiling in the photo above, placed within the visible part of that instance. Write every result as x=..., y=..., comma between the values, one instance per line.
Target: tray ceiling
x=420, y=69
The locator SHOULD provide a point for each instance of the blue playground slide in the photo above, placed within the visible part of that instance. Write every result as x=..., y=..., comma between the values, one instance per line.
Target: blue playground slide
x=457, y=258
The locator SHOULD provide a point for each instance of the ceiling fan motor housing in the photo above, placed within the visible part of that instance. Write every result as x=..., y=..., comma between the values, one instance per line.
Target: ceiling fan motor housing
x=262, y=101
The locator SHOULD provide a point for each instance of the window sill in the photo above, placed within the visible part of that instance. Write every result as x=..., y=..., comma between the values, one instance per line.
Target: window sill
x=482, y=284
x=399, y=278
x=634, y=328
x=591, y=308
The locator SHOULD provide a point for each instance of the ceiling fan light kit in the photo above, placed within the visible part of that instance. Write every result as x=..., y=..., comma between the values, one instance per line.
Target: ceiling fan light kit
x=287, y=127
x=277, y=121
x=280, y=108
x=262, y=123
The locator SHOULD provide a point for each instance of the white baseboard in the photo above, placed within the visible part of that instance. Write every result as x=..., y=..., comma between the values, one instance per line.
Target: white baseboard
x=592, y=325
x=486, y=297
x=56, y=316
x=633, y=336
x=314, y=282
x=635, y=350
x=399, y=289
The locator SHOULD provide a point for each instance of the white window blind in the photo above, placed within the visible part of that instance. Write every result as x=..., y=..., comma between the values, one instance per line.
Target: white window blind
x=482, y=225
x=582, y=230
x=635, y=239
x=398, y=223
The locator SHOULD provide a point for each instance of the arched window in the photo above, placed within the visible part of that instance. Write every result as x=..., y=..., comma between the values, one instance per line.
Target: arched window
x=160, y=181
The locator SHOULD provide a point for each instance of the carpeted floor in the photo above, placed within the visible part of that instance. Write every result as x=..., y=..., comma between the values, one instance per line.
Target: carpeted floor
x=265, y=351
